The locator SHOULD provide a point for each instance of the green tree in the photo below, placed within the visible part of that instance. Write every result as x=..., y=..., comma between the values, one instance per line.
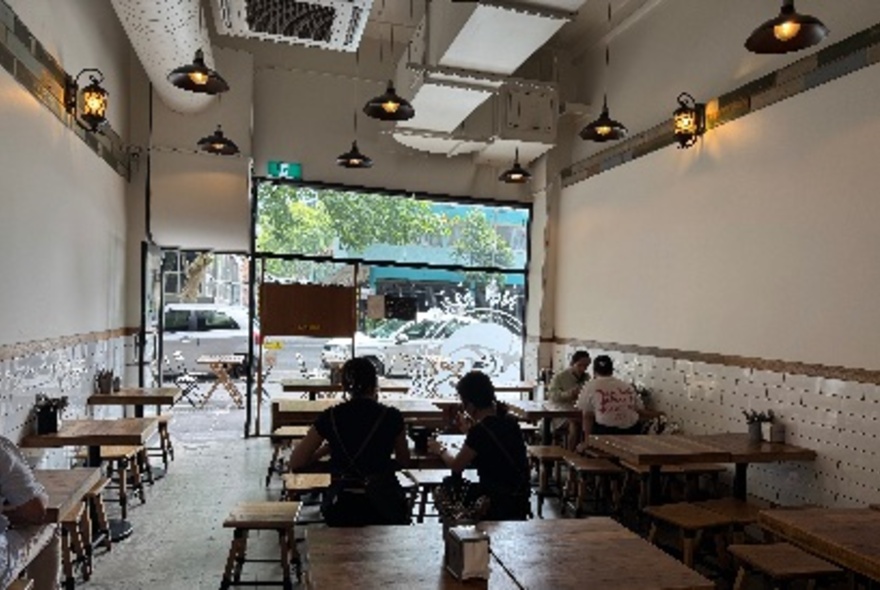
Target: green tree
x=478, y=243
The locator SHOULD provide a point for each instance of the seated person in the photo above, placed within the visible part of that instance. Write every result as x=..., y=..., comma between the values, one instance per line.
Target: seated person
x=361, y=435
x=565, y=388
x=609, y=405
x=495, y=446
x=24, y=506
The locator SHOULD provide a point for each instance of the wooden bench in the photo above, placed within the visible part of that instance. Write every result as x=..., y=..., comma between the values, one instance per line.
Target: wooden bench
x=21, y=584
x=281, y=439
x=690, y=472
x=605, y=475
x=297, y=485
x=691, y=521
x=262, y=516
x=781, y=563
x=547, y=458
x=740, y=512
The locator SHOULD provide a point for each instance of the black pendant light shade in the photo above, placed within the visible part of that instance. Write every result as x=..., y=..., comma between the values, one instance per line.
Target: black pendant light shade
x=516, y=174
x=198, y=77
x=789, y=31
x=604, y=128
x=354, y=158
x=218, y=144
x=389, y=106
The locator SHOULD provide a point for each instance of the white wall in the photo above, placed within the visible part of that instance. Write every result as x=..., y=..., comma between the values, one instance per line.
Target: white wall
x=762, y=242
x=63, y=225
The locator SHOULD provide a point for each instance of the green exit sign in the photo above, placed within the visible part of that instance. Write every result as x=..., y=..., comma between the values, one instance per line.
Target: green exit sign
x=291, y=170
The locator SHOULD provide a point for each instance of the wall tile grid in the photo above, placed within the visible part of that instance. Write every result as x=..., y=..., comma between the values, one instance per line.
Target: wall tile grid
x=64, y=371
x=839, y=419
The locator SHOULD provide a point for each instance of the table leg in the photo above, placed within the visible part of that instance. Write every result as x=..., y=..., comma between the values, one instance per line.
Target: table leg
x=739, y=481
x=139, y=411
x=546, y=432
x=653, y=485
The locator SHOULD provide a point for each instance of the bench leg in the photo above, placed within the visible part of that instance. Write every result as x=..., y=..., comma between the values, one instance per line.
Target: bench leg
x=97, y=502
x=66, y=561
x=123, y=487
x=86, y=532
x=231, y=560
x=739, y=583
x=276, y=450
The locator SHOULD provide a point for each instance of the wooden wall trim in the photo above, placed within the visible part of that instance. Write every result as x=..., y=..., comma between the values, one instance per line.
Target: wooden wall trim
x=23, y=349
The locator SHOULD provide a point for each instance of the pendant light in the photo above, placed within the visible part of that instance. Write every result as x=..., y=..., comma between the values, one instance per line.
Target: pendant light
x=353, y=158
x=198, y=77
x=218, y=144
x=787, y=32
x=604, y=128
x=389, y=106
x=515, y=174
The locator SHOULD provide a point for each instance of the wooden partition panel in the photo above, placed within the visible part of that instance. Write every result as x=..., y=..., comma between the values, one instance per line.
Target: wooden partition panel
x=307, y=310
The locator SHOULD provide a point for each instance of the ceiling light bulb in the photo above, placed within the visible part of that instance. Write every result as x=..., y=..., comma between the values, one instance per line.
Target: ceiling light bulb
x=603, y=130
x=200, y=78
x=786, y=31
x=390, y=106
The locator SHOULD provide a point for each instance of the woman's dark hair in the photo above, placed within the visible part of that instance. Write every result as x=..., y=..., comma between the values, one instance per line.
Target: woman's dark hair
x=578, y=355
x=603, y=366
x=476, y=388
x=359, y=377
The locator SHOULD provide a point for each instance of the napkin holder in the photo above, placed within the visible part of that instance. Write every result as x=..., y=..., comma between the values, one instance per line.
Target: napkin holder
x=467, y=552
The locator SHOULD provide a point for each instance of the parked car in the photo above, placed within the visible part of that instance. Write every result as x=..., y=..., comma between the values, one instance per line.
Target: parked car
x=195, y=329
x=389, y=348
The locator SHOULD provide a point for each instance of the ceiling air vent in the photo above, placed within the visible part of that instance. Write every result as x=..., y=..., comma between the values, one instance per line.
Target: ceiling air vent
x=329, y=24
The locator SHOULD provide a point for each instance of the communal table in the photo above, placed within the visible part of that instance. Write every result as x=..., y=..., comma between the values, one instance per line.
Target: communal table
x=66, y=488
x=296, y=412
x=313, y=387
x=559, y=554
x=654, y=451
x=138, y=397
x=850, y=537
x=219, y=365
x=545, y=411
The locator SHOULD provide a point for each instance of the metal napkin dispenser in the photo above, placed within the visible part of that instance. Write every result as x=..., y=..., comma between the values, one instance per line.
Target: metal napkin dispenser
x=467, y=552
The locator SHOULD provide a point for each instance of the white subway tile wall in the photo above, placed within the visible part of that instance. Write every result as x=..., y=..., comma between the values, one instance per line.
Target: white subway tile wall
x=67, y=371
x=840, y=420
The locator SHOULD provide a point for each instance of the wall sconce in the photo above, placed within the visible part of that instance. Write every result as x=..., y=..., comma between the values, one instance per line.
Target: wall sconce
x=516, y=174
x=198, y=77
x=218, y=144
x=789, y=31
x=94, y=100
x=689, y=120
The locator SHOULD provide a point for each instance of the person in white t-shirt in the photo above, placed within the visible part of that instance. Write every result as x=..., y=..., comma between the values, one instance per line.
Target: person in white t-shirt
x=24, y=508
x=609, y=405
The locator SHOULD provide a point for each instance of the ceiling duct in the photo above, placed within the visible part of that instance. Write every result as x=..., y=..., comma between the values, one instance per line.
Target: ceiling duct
x=165, y=35
x=329, y=24
x=461, y=56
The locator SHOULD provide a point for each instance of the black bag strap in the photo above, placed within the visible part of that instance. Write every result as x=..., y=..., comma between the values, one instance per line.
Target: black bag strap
x=353, y=459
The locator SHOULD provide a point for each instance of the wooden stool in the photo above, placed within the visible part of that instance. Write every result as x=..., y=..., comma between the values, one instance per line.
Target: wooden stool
x=281, y=439
x=72, y=542
x=691, y=473
x=123, y=459
x=261, y=516
x=297, y=485
x=96, y=500
x=165, y=448
x=781, y=562
x=547, y=457
x=740, y=513
x=691, y=520
x=581, y=469
x=21, y=584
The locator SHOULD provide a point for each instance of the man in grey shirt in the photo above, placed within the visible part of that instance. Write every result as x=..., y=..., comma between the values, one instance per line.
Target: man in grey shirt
x=565, y=388
x=24, y=509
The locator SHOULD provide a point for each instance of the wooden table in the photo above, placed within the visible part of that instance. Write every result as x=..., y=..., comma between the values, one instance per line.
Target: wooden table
x=294, y=412
x=138, y=397
x=850, y=537
x=558, y=554
x=313, y=387
x=654, y=451
x=94, y=433
x=590, y=552
x=545, y=411
x=66, y=488
x=526, y=387
x=387, y=557
x=742, y=452
x=219, y=365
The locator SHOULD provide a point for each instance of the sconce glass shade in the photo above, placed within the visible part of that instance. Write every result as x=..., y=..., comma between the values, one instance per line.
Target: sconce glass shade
x=516, y=174
x=354, y=158
x=218, y=144
x=198, y=77
x=787, y=32
x=93, y=113
x=604, y=128
x=689, y=120
x=389, y=106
